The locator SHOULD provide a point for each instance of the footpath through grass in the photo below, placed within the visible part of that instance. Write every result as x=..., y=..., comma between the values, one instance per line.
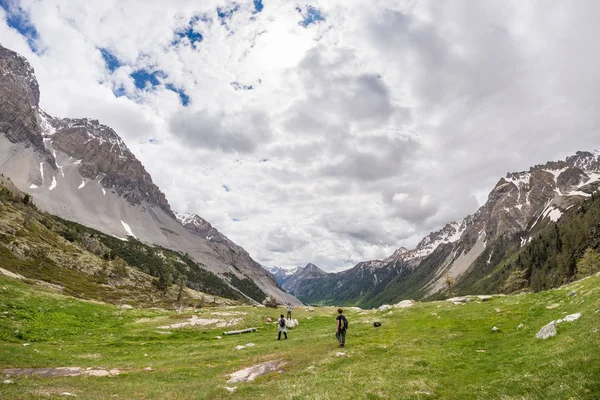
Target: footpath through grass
x=434, y=350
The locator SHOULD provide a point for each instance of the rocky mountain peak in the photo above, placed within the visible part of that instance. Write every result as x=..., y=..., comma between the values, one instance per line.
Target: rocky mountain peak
x=98, y=149
x=19, y=99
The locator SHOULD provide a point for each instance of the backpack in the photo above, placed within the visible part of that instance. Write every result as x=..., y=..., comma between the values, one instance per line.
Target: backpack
x=344, y=323
x=282, y=322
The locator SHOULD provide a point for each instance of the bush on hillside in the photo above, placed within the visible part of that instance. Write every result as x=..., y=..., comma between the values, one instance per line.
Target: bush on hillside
x=589, y=263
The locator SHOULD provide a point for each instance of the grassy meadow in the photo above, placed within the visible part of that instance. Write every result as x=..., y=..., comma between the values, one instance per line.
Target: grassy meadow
x=435, y=350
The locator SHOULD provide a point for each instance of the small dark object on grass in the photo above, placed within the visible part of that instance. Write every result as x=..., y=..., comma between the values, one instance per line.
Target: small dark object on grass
x=376, y=324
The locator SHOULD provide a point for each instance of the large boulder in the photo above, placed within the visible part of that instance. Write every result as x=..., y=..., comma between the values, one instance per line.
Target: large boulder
x=404, y=304
x=292, y=323
x=547, y=331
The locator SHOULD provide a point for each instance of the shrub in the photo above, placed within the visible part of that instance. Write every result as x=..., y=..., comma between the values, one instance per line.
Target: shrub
x=589, y=263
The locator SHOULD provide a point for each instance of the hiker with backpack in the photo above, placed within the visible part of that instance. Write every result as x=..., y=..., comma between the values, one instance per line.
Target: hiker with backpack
x=341, y=326
x=281, y=327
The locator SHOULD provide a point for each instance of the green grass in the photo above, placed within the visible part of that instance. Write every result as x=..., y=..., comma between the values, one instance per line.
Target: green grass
x=446, y=350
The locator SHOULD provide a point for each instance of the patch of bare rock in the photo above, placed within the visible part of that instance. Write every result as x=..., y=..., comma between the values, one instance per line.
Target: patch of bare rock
x=59, y=372
x=549, y=330
x=251, y=373
x=194, y=320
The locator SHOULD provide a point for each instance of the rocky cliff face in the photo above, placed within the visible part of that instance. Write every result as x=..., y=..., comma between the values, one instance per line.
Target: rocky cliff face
x=19, y=91
x=81, y=170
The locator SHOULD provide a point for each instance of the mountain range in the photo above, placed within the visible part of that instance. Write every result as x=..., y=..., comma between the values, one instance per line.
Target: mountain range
x=81, y=170
x=466, y=254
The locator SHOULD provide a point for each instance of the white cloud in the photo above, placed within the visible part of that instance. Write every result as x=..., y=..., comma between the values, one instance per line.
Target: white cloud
x=339, y=141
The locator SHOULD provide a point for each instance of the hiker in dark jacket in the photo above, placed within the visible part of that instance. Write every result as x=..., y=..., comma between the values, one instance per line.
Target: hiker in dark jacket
x=281, y=327
x=341, y=324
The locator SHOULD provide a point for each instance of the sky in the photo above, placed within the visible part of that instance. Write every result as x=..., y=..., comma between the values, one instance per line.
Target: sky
x=329, y=132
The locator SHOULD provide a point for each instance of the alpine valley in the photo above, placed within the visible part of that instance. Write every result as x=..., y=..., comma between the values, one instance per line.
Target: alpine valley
x=81, y=171
x=529, y=234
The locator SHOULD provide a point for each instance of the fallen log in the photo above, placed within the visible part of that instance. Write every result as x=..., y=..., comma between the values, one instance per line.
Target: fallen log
x=239, y=332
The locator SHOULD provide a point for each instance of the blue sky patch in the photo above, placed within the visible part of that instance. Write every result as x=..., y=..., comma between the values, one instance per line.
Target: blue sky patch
x=189, y=33
x=183, y=97
x=119, y=91
x=258, y=6
x=225, y=14
x=111, y=61
x=310, y=16
x=226, y=188
x=18, y=19
x=143, y=78
x=235, y=219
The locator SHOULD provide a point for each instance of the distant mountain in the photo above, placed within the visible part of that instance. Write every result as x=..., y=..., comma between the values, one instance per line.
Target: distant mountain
x=301, y=283
x=281, y=274
x=81, y=170
x=520, y=206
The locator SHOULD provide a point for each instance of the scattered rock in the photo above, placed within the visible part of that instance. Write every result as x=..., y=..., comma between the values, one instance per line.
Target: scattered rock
x=229, y=313
x=251, y=373
x=520, y=326
x=484, y=297
x=595, y=330
x=59, y=372
x=460, y=300
x=219, y=337
x=495, y=329
x=164, y=332
x=240, y=347
x=376, y=324
x=126, y=307
x=390, y=313
x=310, y=309
x=547, y=331
x=97, y=372
x=230, y=389
x=7, y=381
x=340, y=354
x=480, y=351
x=426, y=393
x=571, y=294
x=404, y=304
x=194, y=320
x=292, y=323
x=146, y=355
x=148, y=369
x=26, y=344
x=498, y=310
x=553, y=306
x=385, y=307
x=572, y=317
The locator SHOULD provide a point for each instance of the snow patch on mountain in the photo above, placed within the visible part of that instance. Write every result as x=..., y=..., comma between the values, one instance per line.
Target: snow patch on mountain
x=127, y=228
x=54, y=183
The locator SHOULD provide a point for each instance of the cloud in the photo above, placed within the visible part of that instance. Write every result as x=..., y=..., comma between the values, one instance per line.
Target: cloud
x=379, y=123
x=220, y=131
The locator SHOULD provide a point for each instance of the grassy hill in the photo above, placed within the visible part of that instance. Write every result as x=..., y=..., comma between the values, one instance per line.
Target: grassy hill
x=434, y=350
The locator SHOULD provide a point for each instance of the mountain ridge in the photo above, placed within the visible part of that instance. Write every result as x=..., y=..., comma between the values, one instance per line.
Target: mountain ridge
x=521, y=203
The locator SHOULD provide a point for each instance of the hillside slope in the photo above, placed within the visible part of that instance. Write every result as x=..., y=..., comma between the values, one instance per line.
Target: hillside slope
x=70, y=258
